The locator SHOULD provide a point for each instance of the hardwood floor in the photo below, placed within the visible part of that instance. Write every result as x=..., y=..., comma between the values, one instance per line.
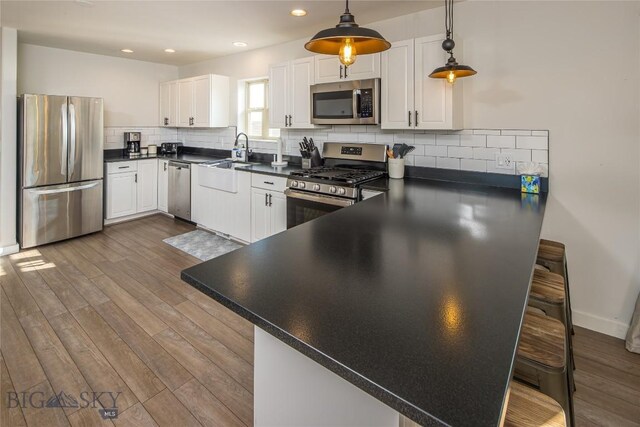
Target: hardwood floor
x=109, y=313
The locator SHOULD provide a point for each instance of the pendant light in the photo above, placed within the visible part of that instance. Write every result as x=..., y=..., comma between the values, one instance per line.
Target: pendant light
x=451, y=70
x=347, y=39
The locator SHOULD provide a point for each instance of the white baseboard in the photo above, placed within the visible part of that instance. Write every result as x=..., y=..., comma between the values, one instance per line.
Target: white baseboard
x=8, y=250
x=132, y=217
x=600, y=324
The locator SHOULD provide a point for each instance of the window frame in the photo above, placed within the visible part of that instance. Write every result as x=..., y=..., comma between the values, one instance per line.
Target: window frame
x=265, y=110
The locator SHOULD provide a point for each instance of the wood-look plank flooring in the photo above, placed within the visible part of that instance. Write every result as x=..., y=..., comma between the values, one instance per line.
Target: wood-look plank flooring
x=108, y=312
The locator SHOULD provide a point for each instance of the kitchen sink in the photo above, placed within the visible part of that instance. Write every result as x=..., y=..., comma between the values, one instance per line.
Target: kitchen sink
x=220, y=174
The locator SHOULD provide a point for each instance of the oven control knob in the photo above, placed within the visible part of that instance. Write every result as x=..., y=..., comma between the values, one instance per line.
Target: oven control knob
x=301, y=185
x=341, y=191
x=294, y=183
x=316, y=187
x=332, y=189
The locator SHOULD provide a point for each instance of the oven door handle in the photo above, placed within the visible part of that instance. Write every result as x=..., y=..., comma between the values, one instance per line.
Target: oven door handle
x=328, y=200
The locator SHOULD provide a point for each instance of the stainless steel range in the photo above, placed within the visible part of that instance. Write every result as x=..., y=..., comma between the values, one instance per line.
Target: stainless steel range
x=317, y=191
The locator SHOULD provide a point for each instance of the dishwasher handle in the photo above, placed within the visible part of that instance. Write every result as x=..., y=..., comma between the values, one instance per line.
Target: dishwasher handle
x=179, y=165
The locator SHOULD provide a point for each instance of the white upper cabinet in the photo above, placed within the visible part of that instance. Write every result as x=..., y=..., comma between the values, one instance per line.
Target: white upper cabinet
x=290, y=95
x=201, y=101
x=397, y=91
x=168, y=104
x=278, y=95
x=410, y=98
x=328, y=68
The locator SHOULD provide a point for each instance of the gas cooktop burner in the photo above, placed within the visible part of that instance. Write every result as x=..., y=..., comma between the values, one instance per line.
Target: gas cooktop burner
x=342, y=175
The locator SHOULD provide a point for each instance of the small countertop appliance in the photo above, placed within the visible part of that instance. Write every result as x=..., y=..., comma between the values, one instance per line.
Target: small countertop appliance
x=132, y=143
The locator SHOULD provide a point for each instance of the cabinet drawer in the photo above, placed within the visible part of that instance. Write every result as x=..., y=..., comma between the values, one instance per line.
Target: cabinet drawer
x=268, y=182
x=120, y=167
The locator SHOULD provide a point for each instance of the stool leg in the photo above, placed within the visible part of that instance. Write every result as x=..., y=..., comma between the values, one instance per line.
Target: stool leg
x=556, y=385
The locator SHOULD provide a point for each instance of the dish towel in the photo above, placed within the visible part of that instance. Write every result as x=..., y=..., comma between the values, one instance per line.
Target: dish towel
x=633, y=335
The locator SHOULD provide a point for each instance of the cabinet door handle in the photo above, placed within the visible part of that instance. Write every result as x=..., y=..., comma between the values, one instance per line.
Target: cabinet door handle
x=166, y=121
x=268, y=182
x=266, y=199
x=341, y=71
x=165, y=166
x=289, y=120
x=136, y=178
x=269, y=200
x=123, y=167
x=345, y=71
x=409, y=118
x=416, y=118
x=285, y=120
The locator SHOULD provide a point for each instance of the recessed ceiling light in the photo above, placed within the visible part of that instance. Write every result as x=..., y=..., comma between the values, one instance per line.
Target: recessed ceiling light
x=239, y=44
x=298, y=12
x=170, y=50
x=126, y=50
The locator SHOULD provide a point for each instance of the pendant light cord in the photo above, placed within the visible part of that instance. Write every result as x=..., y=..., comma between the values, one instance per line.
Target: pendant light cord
x=448, y=17
x=346, y=9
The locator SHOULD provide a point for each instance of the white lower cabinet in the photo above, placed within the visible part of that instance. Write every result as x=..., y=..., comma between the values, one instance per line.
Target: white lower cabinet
x=163, y=185
x=121, y=194
x=147, y=185
x=268, y=206
x=132, y=187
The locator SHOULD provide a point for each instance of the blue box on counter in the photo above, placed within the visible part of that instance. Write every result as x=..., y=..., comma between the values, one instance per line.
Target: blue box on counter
x=530, y=184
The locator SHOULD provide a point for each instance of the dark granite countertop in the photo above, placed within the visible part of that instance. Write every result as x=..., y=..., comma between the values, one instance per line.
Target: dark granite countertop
x=415, y=296
x=267, y=169
x=189, y=158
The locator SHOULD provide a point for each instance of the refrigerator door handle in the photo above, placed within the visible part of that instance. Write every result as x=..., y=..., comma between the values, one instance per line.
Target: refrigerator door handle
x=72, y=139
x=63, y=152
x=64, y=189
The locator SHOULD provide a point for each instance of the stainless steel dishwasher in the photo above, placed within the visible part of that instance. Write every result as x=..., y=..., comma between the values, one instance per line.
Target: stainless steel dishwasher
x=180, y=190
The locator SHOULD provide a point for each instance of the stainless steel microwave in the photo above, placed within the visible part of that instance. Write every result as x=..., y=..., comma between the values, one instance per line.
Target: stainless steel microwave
x=355, y=102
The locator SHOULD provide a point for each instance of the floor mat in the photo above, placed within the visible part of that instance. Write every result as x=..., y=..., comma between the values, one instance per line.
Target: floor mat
x=202, y=245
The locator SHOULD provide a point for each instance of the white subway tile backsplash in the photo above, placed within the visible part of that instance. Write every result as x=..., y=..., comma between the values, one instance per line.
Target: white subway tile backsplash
x=403, y=138
x=473, y=165
x=425, y=139
x=436, y=150
x=473, y=140
x=532, y=142
x=514, y=132
x=540, y=156
x=485, y=153
x=460, y=152
x=447, y=139
x=501, y=141
x=418, y=151
x=369, y=138
x=384, y=138
x=518, y=155
x=447, y=163
x=486, y=132
x=540, y=133
x=491, y=168
x=425, y=161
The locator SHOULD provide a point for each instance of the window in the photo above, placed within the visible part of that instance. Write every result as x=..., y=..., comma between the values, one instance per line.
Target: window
x=257, y=111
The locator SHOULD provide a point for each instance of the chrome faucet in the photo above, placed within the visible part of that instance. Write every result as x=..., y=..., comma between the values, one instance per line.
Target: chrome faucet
x=244, y=153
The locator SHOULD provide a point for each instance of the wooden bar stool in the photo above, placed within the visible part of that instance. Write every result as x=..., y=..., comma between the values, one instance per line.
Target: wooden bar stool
x=553, y=255
x=530, y=408
x=542, y=359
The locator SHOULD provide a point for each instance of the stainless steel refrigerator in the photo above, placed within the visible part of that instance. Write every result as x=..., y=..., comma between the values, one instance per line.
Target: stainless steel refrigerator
x=60, y=152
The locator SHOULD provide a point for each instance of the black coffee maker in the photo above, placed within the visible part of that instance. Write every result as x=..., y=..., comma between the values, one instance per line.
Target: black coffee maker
x=132, y=143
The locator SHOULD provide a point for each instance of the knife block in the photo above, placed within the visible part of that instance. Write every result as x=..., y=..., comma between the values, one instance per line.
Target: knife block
x=314, y=161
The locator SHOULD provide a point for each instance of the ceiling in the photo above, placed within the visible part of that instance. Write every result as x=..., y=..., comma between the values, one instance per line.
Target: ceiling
x=197, y=30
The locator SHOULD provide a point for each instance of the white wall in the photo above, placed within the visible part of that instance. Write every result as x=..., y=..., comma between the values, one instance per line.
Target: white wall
x=129, y=88
x=8, y=49
x=546, y=65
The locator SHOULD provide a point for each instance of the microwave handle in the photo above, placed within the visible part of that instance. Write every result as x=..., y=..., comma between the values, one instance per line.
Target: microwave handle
x=356, y=104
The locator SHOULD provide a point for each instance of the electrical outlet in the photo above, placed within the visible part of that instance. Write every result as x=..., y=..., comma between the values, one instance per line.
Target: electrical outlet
x=504, y=161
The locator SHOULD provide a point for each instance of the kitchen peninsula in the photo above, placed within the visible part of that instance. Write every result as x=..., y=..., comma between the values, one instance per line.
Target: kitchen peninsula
x=415, y=297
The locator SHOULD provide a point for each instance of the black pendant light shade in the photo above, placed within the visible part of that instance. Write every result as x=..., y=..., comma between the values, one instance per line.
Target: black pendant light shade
x=451, y=70
x=360, y=40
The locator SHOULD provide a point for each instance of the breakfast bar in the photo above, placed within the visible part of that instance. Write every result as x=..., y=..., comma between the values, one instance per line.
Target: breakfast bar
x=410, y=302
